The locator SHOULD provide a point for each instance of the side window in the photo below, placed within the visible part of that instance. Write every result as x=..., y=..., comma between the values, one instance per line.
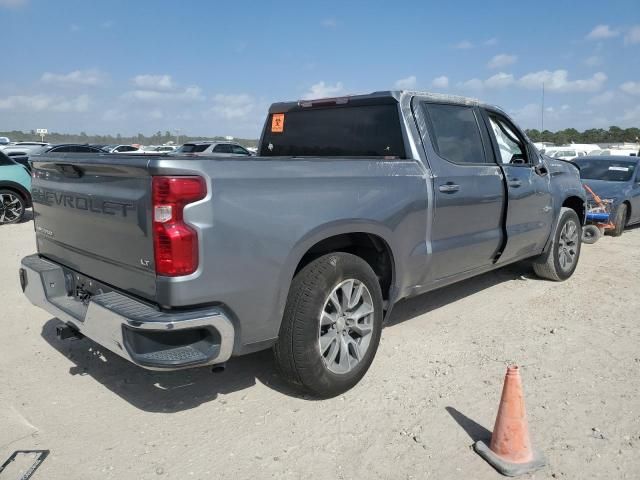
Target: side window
x=61, y=150
x=238, y=150
x=510, y=144
x=222, y=148
x=456, y=134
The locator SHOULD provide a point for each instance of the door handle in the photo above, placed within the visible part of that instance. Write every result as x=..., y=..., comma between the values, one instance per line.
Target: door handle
x=515, y=183
x=449, y=188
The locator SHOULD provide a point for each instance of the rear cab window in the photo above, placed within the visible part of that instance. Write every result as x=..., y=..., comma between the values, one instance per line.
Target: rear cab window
x=455, y=133
x=337, y=130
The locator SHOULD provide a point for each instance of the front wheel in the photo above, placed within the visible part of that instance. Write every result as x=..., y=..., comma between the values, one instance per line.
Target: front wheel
x=561, y=260
x=620, y=220
x=12, y=207
x=331, y=326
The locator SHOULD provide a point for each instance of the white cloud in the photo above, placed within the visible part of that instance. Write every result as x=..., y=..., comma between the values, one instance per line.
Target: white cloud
x=491, y=42
x=13, y=3
x=601, y=32
x=43, y=103
x=633, y=36
x=440, y=82
x=188, y=94
x=154, y=82
x=329, y=23
x=90, y=78
x=322, y=89
x=502, y=60
x=463, y=45
x=632, y=88
x=473, y=84
x=593, y=61
x=499, y=80
x=233, y=106
x=558, y=80
x=406, y=83
x=602, y=99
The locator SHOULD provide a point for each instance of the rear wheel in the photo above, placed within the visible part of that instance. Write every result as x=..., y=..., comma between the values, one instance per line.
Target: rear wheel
x=561, y=260
x=12, y=207
x=590, y=234
x=620, y=220
x=331, y=326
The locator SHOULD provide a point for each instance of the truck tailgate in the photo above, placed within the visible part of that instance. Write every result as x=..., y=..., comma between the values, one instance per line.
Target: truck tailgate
x=93, y=215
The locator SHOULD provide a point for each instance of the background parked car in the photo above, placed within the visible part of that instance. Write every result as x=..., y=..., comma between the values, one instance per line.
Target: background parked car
x=615, y=179
x=20, y=152
x=15, y=185
x=626, y=152
x=223, y=149
x=160, y=148
x=22, y=157
x=122, y=149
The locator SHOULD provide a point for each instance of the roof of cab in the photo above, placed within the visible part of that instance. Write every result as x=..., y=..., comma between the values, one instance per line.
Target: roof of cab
x=383, y=96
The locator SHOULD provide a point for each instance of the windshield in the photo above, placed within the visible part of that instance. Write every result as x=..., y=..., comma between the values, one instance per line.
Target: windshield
x=192, y=148
x=609, y=171
x=341, y=131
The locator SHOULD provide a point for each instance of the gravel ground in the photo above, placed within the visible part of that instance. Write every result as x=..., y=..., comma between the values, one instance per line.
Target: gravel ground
x=433, y=388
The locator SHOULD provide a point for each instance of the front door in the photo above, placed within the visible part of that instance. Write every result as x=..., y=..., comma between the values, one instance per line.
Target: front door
x=466, y=230
x=530, y=203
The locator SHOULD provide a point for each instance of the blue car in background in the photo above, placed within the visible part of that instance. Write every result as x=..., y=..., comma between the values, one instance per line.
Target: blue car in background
x=15, y=190
x=616, y=180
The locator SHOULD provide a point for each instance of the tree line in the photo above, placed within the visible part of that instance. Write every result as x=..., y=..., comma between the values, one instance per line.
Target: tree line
x=593, y=135
x=158, y=138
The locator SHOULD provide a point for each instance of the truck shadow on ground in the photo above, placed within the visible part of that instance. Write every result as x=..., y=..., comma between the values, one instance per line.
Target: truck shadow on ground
x=169, y=392
x=428, y=302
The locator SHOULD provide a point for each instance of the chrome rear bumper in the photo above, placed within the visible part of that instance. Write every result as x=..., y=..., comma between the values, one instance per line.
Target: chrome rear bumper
x=130, y=328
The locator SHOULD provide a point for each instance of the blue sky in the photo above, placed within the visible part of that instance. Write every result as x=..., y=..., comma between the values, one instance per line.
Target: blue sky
x=212, y=68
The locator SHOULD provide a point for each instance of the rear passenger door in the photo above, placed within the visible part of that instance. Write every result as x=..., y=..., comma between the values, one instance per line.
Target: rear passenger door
x=530, y=211
x=466, y=230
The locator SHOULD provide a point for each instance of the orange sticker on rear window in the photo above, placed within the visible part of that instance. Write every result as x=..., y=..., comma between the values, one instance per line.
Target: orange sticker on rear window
x=277, y=123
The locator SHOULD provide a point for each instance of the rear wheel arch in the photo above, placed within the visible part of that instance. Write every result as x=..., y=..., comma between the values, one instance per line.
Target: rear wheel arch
x=371, y=247
x=576, y=204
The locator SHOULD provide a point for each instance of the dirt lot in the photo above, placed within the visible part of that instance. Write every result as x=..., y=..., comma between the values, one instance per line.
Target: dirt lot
x=433, y=388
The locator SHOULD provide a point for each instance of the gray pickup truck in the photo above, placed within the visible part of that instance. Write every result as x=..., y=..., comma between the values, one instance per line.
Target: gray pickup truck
x=352, y=204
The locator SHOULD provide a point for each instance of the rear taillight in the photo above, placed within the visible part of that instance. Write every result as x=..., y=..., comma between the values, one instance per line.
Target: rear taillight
x=175, y=243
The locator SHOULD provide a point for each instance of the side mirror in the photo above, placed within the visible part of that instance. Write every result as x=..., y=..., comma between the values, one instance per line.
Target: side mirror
x=518, y=159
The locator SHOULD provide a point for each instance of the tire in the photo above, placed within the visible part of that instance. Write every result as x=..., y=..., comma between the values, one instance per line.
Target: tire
x=312, y=318
x=590, y=234
x=12, y=207
x=561, y=260
x=620, y=220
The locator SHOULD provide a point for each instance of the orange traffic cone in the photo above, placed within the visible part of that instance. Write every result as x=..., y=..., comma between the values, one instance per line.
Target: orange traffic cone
x=510, y=451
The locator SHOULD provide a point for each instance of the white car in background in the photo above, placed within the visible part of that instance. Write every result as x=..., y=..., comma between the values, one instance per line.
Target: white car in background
x=213, y=149
x=130, y=149
x=625, y=152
